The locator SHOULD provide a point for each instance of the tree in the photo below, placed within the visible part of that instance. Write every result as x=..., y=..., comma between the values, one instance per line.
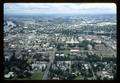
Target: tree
x=71, y=77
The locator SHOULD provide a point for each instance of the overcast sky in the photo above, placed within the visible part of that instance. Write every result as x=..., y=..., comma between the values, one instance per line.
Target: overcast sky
x=59, y=8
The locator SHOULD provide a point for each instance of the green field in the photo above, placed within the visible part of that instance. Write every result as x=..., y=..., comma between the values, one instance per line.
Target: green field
x=37, y=75
x=79, y=78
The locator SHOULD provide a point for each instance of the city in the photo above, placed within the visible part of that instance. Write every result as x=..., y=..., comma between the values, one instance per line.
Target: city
x=60, y=47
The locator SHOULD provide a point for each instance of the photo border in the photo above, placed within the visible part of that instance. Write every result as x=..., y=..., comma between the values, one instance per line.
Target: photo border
x=55, y=1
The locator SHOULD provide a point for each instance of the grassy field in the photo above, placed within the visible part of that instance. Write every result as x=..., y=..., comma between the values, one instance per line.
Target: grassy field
x=79, y=78
x=37, y=75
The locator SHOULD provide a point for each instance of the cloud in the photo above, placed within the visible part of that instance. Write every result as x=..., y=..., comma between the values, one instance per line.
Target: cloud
x=59, y=8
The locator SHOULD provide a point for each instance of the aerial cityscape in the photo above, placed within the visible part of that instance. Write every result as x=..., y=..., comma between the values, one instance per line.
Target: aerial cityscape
x=60, y=41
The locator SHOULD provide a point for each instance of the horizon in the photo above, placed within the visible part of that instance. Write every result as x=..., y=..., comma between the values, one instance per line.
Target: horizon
x=58, y=14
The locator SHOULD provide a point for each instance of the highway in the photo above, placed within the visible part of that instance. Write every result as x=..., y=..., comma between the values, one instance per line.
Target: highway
x=51, y=58
x=92, y=71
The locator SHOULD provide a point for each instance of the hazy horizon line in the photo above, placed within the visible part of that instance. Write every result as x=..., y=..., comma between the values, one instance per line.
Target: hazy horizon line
x=55, y=14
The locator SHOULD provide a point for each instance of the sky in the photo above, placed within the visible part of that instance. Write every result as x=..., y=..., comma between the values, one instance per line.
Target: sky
x=59, y=8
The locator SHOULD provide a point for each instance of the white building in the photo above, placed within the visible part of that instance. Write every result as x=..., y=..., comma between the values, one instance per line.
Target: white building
x=89, y=47
x=39, y=65
x=80, y=38
x=97, y=41
x=62, y=55
x=72, y=41
x=86, y=66
x=74, y=50
x=57, y=55
x=10, y=74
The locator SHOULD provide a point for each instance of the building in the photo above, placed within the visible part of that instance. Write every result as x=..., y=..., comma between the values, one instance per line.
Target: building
x=10, y=74
x=72, y=41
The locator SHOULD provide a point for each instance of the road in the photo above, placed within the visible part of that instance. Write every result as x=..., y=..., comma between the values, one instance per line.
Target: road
x=92, y=71
x=51, y=58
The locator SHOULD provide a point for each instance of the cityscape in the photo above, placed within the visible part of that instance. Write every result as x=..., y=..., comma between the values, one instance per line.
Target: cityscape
x=42, y=41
